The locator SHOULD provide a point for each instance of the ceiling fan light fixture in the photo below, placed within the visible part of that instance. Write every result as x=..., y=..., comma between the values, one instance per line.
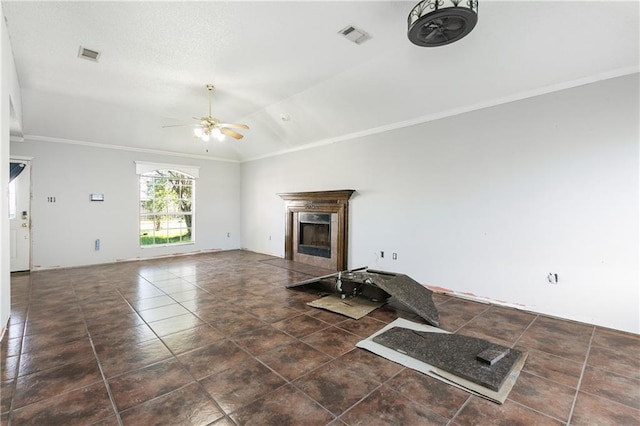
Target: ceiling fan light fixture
x=205, y=133
x=440, y=22
x=201, y=134
x=217, y=134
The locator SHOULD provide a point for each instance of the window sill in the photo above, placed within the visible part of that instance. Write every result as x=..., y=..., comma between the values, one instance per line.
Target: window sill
x=190, y=243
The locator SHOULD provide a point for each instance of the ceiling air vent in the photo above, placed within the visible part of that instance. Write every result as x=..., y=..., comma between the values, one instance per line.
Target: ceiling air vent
x=354, y=34
x=88, y=54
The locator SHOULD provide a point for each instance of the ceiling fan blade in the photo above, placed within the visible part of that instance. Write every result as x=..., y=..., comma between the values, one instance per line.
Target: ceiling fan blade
x=430, y=34
x=181, y=125
x=231, y=133
x=453, y=24
x=233, y=125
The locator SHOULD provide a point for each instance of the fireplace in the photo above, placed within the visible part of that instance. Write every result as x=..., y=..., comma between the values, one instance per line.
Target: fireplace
x=314, y=236
x=316, y=228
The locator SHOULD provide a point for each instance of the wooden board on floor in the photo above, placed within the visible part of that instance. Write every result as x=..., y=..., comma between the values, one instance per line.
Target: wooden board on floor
x=354, y=307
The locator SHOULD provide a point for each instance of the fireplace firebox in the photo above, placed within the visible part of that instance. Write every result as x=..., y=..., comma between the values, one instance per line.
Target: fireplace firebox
x=314, y=236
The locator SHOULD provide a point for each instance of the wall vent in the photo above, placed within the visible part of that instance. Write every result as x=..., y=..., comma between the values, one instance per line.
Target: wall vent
x=88, y=54
x=354, y=34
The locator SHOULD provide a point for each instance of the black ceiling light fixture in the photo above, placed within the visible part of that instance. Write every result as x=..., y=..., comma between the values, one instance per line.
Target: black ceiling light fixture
x=439, y=22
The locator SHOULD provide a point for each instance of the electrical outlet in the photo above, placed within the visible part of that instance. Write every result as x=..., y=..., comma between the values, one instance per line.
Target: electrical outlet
x=228, y=234
x=381, y=254
x=552, y=278
x=97, y=245
x=395, y=256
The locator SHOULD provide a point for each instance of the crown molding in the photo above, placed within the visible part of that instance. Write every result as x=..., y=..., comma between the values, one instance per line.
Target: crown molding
x=621, y=72
x=124, y=148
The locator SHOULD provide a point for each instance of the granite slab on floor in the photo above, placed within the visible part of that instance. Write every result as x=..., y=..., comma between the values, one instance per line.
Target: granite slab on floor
x=454, y=353
x=499, y=396
x=410, y=293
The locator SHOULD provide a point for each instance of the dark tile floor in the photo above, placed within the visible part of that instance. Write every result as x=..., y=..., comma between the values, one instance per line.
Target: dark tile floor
x=217, y=339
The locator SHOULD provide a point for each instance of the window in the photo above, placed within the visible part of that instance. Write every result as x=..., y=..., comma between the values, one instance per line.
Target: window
x=166, y=208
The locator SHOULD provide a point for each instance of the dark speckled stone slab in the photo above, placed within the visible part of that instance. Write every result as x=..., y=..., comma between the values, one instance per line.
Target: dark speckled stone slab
x=410, y=293
x=453, y=353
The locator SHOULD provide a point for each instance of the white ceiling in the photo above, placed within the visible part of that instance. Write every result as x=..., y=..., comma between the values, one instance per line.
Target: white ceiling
x=273, y=58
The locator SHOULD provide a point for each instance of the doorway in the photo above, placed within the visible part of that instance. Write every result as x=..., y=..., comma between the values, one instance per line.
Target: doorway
x=20, y=217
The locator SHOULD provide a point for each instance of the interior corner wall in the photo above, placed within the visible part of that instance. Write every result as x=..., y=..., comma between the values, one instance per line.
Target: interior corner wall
x=487, y=203
x=64, y=231
x=9, y=87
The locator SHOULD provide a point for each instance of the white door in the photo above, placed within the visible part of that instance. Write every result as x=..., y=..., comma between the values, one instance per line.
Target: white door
x=20, y=219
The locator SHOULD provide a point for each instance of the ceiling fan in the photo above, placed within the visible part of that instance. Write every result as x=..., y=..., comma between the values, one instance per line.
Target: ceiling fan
x=210, y=126
x=436, y=23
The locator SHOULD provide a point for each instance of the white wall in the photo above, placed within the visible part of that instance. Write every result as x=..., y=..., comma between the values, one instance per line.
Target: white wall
x=63, y=233
x=9, y=93
x=488, y=202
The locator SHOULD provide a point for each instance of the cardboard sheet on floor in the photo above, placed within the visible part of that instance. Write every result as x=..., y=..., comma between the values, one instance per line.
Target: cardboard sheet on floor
x=500, y=396
x=353, y=307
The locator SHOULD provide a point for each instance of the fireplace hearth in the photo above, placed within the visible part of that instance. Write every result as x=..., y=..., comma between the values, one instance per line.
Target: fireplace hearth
x=316, y=227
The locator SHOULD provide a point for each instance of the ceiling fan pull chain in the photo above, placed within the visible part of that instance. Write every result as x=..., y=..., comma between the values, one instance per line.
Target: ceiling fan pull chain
x=210, y=87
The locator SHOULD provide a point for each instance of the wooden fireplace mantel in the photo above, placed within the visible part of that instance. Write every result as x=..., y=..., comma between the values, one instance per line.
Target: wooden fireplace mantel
x=335, y=196
x=322, y=202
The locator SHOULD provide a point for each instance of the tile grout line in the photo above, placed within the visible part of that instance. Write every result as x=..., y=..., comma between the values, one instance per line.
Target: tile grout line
x=355, y=404
x=474, y=317
x=524, y=331
x=315, y=401
x=449, y=421
x=255, y=358
x=95, y=354
x=462, y=406
x=538, y=411
x=579, y=385
x=14, y=386
x=544, y=378
x=395, y=391
x=469, y=395
x=549, y=380
x=290, y=382
x=544, y=352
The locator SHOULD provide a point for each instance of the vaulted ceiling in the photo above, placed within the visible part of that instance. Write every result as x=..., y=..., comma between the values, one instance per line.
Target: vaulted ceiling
x=275, y=60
